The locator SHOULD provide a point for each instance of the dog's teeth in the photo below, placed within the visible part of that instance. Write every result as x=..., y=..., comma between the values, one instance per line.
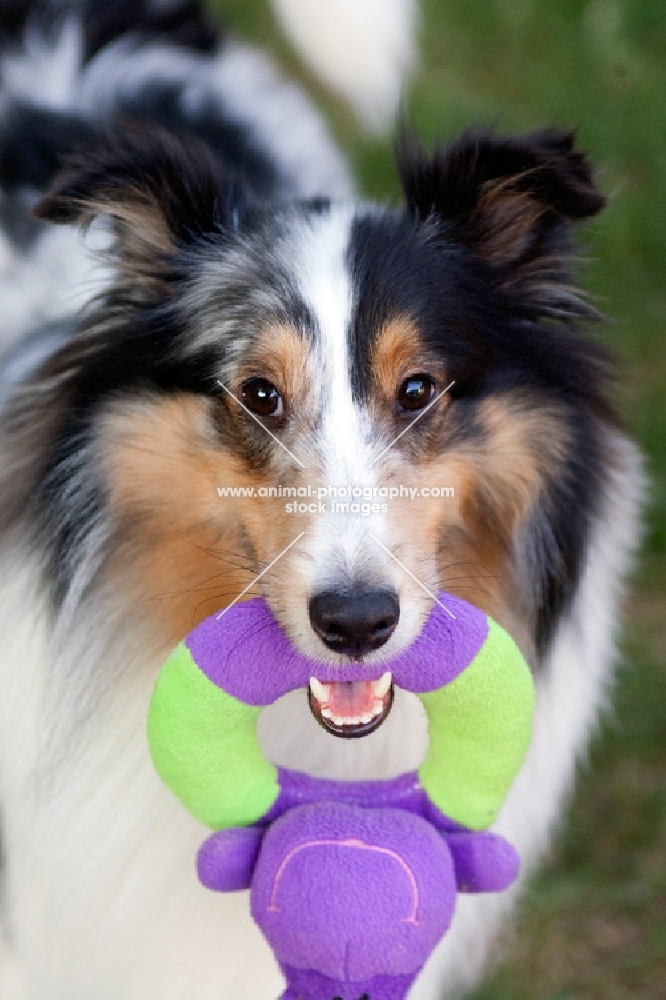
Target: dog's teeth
x=320, y=691
x=351, y=720
x=380, y=687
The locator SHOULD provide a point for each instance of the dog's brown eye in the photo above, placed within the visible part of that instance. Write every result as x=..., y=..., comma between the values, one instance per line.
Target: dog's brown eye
x=416, y=392
x=262, y=397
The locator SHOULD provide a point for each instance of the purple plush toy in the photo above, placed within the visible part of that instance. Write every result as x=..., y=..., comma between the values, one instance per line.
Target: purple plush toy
x=352, y=883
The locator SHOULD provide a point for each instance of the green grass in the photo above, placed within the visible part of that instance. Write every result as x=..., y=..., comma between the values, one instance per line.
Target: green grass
x=594, y=924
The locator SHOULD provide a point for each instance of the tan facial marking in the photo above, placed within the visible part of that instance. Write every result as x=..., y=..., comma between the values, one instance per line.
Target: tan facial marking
x=180, y=551
x=282, y=355
x=464, y=544
x=398, y=352
x=496, y=483
x=178, y=548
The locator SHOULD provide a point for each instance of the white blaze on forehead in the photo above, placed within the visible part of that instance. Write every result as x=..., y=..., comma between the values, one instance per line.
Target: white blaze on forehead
x=339, y=543
x=327, y=289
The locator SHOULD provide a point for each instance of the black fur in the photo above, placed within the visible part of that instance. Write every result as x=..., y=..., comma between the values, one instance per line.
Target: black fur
x=499, y=309
x=543, y=164
x=233, y=144
x=561, y=528
x=36, y=141
x=142, y=169
x=184, y=23
x=511, y=202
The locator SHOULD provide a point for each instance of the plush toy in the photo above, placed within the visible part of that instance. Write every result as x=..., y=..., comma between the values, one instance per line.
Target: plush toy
x=352, y=883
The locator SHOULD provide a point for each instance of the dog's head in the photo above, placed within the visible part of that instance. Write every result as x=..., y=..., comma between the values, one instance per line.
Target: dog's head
x=421, y=365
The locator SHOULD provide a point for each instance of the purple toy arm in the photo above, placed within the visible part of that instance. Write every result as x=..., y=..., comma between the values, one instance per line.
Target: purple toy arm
x=226, y=859
x=483, y=862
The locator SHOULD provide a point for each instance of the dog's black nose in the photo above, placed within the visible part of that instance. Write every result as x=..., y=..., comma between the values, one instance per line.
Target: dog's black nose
x=354, y=621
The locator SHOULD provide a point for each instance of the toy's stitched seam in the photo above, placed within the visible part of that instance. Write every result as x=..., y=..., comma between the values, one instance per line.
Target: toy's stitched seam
x=359, y=845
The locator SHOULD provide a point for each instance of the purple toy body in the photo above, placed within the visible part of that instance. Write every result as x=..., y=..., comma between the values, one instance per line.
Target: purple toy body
x=353, y=884
x=350, y=893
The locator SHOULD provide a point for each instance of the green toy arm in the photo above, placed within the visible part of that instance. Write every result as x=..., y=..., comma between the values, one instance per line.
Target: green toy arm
x=204, y=746
x=480, y=726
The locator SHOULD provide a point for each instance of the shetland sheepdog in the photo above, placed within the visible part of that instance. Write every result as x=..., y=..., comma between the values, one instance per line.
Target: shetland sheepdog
x=194, y=302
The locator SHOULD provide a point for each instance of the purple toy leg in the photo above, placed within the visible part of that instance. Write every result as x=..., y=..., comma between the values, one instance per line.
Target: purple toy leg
x=352, y=900
x=308, y=985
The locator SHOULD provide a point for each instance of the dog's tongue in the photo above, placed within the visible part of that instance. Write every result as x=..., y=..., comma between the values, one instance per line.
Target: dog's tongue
x=348, y=699
x=350, y=708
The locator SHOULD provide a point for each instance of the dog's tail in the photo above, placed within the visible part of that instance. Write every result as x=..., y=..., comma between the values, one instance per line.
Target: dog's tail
x=362, y=49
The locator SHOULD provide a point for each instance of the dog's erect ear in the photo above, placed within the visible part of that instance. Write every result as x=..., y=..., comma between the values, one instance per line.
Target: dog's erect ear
x=511, y=201
x=160, y=192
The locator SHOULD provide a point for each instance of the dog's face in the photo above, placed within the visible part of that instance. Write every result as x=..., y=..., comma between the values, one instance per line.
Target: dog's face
x=318, y=346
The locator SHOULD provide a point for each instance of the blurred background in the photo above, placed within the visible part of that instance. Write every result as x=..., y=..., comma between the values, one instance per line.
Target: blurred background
x=593, y=926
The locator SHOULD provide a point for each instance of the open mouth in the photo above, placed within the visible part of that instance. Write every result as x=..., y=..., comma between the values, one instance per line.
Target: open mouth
x=351, y=709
